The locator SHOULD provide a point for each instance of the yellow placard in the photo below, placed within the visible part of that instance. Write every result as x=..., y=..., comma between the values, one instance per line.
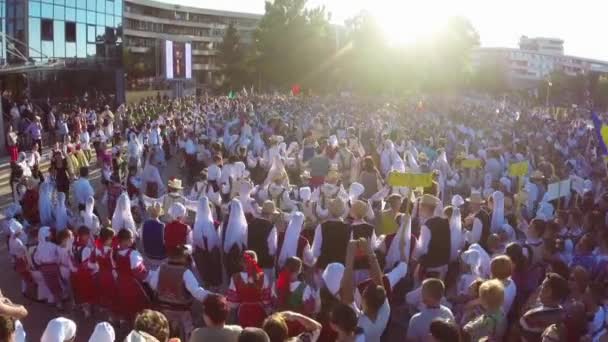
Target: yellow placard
x=410, y=180
x=471, y=164
x=518, y=169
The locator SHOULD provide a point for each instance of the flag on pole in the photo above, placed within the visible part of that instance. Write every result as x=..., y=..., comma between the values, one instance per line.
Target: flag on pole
x=601, y=130
x=231, y=95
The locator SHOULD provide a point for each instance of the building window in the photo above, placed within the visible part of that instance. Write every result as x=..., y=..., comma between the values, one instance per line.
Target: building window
x=47, y=11
x=46, y=30
x=59, y=12
x=70, y=31
x=91, y=34
x=34, y=9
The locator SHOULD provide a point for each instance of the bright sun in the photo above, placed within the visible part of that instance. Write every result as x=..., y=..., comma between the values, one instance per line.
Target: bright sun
x=406, y=22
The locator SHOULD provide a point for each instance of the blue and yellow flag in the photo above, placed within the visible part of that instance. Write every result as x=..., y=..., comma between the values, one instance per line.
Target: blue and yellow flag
x=601, y=129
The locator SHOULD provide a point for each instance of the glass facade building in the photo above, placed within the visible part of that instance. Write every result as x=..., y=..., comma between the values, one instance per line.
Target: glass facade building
x=57, y=29
x=72, y=28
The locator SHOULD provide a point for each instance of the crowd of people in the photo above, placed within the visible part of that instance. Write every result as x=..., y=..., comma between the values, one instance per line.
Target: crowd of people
x=283, y=217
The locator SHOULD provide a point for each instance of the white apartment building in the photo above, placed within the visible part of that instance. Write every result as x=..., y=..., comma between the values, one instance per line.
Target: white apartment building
x=535, y=60
x=147, y=23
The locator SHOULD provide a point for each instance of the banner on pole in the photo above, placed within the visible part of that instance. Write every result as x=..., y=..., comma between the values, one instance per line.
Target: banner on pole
x=558, y=190
x=471, y=164
x=518, y=169
x=410, y=180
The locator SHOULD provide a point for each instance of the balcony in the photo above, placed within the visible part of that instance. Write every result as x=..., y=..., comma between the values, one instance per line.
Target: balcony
x=188, y=23
x=205, y=67
x=212, y=52
x=138, y=49
x=172, y=37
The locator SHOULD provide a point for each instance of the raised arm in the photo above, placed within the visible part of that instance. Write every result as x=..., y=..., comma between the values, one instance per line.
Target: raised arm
x=347, y=285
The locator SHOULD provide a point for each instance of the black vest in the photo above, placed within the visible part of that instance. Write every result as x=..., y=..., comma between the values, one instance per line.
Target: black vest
x=336, y=235
x=257, y=241
x=438, y=252
x=485, y=227
x=363, y=230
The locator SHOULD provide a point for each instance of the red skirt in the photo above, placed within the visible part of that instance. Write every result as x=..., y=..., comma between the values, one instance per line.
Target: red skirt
x=106, y=289
x=131, y=297
x=83, y=285
x=52, y=279
x=14, y=153
x=31, y=289
x=251, y=315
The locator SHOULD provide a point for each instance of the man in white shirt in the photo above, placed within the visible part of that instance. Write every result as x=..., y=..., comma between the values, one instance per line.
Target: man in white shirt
x=432, y=292
x=376, y=313
x=83, y=189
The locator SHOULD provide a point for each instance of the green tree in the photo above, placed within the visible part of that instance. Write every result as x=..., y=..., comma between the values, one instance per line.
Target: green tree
x=231, y=55
x=292, y=43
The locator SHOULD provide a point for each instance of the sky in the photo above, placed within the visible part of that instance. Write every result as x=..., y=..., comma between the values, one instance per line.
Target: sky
x=581, y=24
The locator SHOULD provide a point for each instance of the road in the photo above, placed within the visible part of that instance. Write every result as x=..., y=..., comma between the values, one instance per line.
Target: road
x=40, y=314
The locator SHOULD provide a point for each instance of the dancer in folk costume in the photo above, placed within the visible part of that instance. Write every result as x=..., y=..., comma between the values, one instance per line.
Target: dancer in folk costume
x=173, y=195
x=361, y=229
x=105, y=281
x=152, y=183
x=331, y=237
x=46, y=260
x=122, y=217
x=62, y=218
x=293, y=294
x=249, y=292
x=330, y=190
x=207, y=247
x=177, y=232
x=130, y=293
x=45, y=202
x=21, y=260
x=176, y=287
x=30, y=202
x=83, y=279
x=262, y=237
x=291, y=243
x=89, y=219
x=234, y=235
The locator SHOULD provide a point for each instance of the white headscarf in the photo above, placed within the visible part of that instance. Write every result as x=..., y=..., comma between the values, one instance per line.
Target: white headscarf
x=292, y=235
x=103, y=332
x=89, y=219
x=134, y=148
x=16, y=246
x=203, y=226
x=456, y=227
x=59, y=329
x=393, y=254
x=122, y=217
x=332, y=277
x=177, y=211
x=236, y=229
x=472, y=258
x=61, y=213
x=45, y=201
x=411, y=161
x=484, y=260
x=498, y=211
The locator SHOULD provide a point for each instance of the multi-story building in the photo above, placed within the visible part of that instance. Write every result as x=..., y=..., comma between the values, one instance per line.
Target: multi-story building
x=147, y=23
x=46, y=39
x=535, y=60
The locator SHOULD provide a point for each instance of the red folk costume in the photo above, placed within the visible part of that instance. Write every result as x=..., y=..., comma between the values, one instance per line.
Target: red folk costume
x=83, y=279
x=130, y=295
x=176, y=233
x=106, y=283
x=250, y=292
x=46, y=260
x=22, y=265
x=30, y=206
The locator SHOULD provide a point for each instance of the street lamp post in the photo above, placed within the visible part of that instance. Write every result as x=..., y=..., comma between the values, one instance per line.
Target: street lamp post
x=549, y=85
